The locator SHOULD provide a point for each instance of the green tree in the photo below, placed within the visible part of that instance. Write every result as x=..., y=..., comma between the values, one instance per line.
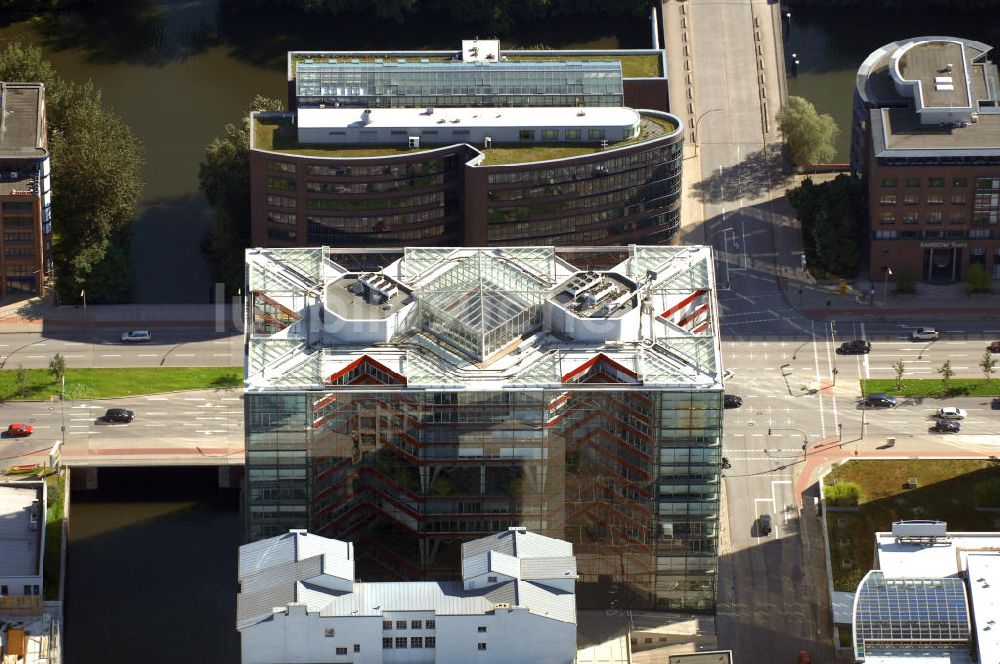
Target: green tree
x=977, y=279
x=832, y=219
x=809, y=135
x=57, y=366
x=21, y=380
x=906, y=284
x=946, y=374
x=224, y=176
x=987, y=364
x=900, y=369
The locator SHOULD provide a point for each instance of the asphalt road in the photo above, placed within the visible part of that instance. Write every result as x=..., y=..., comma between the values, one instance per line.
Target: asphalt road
x=104, y=349
x=207, y=417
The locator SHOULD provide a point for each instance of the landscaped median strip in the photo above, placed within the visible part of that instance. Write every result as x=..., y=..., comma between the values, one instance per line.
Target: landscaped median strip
x=933, y=387
x=41, y=384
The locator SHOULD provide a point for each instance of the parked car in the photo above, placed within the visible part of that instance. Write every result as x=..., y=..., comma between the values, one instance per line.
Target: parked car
x=925, y=334
x=994, y=347
x=119, y=415
x=129, y=336
x=879, y=400
x=804, y=657
x=951, y=413
x=764, y=524
x=731, y=401
x=19, y=430
x=855, y=346
x=995, y=404
x=946, y=426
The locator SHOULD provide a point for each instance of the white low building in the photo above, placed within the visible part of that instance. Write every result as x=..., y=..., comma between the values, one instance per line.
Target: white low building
x=299, y=602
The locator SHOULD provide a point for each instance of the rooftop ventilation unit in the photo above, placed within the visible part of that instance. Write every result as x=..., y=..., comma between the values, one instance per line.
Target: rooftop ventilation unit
x=487, y=142
x=379, y=285
x=414, y=141
x=582, y=282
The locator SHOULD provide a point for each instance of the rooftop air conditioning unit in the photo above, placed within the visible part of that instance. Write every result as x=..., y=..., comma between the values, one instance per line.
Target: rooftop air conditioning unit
x=488, y=142
x=414, y=141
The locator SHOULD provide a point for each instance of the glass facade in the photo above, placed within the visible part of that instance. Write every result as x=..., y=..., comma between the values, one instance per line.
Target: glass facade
x=475, y=84
x=630, y=476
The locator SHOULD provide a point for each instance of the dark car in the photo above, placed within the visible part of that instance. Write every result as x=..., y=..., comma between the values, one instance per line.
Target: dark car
x=732, y=401
x=879, y=400
x=119, y=415
x=855, y=346
x=994, y=347
x=765, y=524
x=995, y=404
x=946, y=426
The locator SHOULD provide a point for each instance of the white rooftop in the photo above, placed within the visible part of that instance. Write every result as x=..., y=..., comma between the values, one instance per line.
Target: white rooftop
x=480, y=50
x=984, y=588
x=20, y=544
x=900, y=560
x=467, y=118
x=482, y=318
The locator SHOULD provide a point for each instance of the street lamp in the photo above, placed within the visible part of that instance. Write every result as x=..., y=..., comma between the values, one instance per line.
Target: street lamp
x=697, y=120
x=805, y=438
x=83, y=294
x=725, y=248
x=833, y=338
x=887, y=271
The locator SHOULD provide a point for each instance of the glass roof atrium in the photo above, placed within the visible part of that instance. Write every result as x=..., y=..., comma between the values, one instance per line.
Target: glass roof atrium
x=478, y=84
x=892, y=615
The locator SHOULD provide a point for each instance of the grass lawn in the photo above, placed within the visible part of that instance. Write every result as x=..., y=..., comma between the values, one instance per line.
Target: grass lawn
x=110, y=383
x=53, y=533
x=944, y=491
x=931, y=387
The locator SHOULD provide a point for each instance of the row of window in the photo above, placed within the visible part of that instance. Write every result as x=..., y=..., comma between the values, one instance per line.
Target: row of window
x=407, y=169
x=18, y=237
x=377, y=187
x=552, y=176
x=319, y=234
x=414, y=642
x=930, y=235
x=889, y=218
x=595, y=185
x=18, y=222
x=414, y=624
x=913, y=199
x=28, y=590
x=931, y=182
x=375, y=223
x=525, y=229
x=18, y=252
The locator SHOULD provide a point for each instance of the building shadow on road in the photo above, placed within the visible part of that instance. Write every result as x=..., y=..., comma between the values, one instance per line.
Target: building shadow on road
x=751, y=178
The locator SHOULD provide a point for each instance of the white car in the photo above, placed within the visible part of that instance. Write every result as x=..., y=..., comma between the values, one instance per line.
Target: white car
x=925, y=334
x=129, y=336
x=951, y=413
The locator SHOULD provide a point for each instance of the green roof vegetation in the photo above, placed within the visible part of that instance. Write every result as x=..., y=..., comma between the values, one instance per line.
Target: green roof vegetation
x=644, y=65
x=280, y=136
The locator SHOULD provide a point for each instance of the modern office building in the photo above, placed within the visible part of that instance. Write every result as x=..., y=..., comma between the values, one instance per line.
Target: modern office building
x=25, y=190
x=926, y=144
x=415, y=399
x=300, y=602
x=932, y=597
x=478, y=147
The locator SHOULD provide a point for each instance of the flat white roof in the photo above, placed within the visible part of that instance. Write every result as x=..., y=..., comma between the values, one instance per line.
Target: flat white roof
x=473, y=118
x=19, y=544
x=900, y=561
x=984, y=586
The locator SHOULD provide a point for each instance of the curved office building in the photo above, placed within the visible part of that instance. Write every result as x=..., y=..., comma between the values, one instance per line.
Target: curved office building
x=431, y=153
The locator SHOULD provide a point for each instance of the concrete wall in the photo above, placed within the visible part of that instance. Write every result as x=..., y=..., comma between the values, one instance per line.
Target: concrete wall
x=300, y=637
x=511, y=636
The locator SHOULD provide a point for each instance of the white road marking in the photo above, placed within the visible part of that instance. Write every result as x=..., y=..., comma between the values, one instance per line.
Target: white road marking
x=156, y=398
x=110, y=354
x=148, y=355
x=184, y=354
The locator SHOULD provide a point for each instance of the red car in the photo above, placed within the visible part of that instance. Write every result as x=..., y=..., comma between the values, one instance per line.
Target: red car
x=19, y=430
x=804, y=657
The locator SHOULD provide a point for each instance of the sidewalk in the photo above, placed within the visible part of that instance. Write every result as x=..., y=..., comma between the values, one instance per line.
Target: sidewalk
x=36, y=315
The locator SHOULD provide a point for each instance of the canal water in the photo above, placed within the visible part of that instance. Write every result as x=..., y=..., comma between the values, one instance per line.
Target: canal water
x=178, y=70
x=151, y=569
x=832, y=42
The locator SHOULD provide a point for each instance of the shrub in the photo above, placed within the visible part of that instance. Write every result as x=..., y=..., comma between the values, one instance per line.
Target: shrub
x=977, y=279
x=906, y=284
x=842, y=494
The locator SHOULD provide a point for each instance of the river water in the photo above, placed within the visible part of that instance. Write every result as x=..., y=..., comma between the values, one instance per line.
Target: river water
x=832, y=43
x=178, y=70
x=151, y=569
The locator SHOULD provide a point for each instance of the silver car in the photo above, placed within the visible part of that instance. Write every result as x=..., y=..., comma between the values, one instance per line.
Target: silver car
x=925, y=334
x=130, y=336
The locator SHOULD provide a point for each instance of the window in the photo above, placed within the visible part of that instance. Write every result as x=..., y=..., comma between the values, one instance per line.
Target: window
x=890, y=182
x=912, y=182
x=400, y=624
x=430, y=624
x=594, y=135
x=400, y=641
x=885, y=235
x=481, y=629
x=3, y=590
x=572, y=134
x=285, y=184
x=935, y=199
x=386, y=643
x=888, y=199
x=430, y=642
x=957, y=218
x=935, y=182
x=911, y=218
x=280, y=166
x=357, y=647
x=416, y=624
x=416, y=642
x=958, y=199
x=910, y=199
x=887, y=218
x=328, y=632
x=342, y=651
x=960, y=182
x=550, y=134
x=480, y=646
x=18, y=207
x=934, y=217
x=281, y=201
x=281, y=217
x=526, y=134
x=491, y=579
x=386, y=624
